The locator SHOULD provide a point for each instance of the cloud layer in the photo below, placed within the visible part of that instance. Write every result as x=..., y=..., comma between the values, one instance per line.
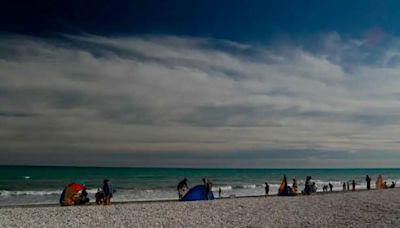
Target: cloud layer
x=153, y=97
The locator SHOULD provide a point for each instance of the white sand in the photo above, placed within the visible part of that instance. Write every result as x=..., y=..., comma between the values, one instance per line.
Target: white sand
x=358, y=209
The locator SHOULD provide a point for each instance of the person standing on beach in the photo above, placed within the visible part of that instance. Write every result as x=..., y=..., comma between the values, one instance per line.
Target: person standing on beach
x=208, y=187
x=348, y=186
x=219, y=192
x=368, y=180
x=108, y=191
x=353, y=186
x=182, y=186
x=330, y=186
x=307, y=186
x=266, y=189
x=344, y=186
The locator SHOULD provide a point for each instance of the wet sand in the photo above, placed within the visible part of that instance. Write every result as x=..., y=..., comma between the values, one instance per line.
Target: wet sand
x=355, y=209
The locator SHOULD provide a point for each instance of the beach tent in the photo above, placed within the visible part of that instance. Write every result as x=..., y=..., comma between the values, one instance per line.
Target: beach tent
x=69, y=192
x=283, y=188
x=197, y=193
x=379, y=182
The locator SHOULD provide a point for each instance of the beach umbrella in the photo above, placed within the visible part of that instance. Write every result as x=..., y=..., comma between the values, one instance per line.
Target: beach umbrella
x=283, y=188
x=69, y=192
x=76, y=187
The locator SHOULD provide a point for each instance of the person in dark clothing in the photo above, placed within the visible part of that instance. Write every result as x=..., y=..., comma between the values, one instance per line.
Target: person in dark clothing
x=353, y=186
x=83, y=198
x=348, y=186
x=385, y=185
x=307, y=186
x=314, y=187
x=368, y=180
x=331, y=187
x=99, y=196
x=219, y=192
x=182, y=186
x=344, y=186
x=266, y=189
x=208, y=187
x=108, y=191
x=392, y=185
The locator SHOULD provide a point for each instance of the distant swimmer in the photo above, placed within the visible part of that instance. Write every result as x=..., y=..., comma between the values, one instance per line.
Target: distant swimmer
x=182, y=186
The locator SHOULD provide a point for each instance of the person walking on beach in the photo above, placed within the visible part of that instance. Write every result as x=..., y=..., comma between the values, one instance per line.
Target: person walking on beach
x=344, y=186
x=330, y=186
x=348, y=186
x=219, y=192
x=266, y=189
x=181, y=187
x=353, y=186
x=368, y=180
x=108, y=191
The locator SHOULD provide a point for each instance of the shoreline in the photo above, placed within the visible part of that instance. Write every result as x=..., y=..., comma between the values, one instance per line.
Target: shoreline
x=173, y=200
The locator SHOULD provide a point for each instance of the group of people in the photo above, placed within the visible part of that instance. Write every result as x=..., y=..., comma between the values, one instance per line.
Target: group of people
x=380, y=184
x=103, y=196
x=311, y=187
x=76, y=194
x=346, y=185
x=325, y=187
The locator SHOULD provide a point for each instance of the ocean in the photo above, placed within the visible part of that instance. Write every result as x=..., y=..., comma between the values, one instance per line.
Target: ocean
x=21, y=185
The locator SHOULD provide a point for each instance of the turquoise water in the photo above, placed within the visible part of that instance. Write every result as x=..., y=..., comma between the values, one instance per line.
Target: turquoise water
x=36, y=184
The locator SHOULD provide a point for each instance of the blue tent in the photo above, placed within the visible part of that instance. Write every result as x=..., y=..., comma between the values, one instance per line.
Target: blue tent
x=197, y=193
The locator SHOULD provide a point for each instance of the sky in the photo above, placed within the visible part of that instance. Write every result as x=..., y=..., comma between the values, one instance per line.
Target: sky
x=244, y=84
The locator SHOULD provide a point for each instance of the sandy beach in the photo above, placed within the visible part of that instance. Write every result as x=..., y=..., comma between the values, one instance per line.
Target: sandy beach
x=354, y=209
